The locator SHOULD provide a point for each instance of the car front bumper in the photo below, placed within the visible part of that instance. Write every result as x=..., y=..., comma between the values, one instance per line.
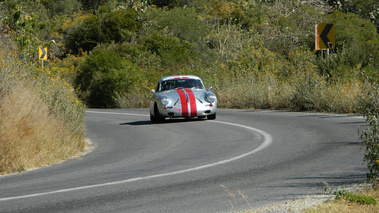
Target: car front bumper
x=201, y=110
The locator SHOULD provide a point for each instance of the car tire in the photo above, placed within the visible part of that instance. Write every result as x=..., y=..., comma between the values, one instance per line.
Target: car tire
x=158, y=117
x=211, y=117
x=152, y=118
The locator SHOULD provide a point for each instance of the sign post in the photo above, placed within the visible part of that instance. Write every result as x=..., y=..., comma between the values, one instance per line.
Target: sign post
x=42, y=54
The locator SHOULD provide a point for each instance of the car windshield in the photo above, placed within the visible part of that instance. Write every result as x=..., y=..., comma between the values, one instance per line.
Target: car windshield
x=180, y=83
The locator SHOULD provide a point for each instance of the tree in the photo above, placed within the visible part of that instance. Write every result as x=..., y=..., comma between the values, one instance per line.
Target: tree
x=92, y=4
x=62, y=7
x=119, y=25
x=83, y=36
x=356, y=39
x=170, y=49
x=169, y=3
x=102, y=76
x=367, y=9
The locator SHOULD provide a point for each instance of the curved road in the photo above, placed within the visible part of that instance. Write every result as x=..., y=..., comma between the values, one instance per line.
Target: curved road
x=243, y=160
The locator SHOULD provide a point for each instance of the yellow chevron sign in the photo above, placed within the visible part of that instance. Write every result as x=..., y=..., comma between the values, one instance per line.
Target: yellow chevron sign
x=325, y=38
x=42, y=53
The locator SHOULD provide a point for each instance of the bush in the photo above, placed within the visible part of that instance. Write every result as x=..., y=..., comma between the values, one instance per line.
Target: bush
x=61, y=7
x=350, y=196
x=168, y=3
x=181, y=26
x=119, y=25
x=84, y=35
x=170, y=49
x=357, y=41
x=370, y=136
x=368, y=9
x=357, y=198
x=102, y=76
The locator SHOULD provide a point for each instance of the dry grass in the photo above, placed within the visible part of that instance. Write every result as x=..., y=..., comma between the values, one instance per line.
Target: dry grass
x=340, y=98
x=30, y=135
x=41, y=120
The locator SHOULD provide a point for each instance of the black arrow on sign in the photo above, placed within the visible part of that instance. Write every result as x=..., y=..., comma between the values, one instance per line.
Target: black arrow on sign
x=43, y=53
x=324, y=34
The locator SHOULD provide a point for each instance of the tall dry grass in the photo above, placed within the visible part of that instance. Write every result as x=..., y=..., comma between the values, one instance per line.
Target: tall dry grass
x=30, y=135
x=300, y=88
x=41, y=120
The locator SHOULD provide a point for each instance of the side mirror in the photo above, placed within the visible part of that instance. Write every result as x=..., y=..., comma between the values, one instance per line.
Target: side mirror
x=210, y=88
x=152, y=91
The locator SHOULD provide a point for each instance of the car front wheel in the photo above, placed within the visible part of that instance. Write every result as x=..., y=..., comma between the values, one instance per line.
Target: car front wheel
x=152, y=118
x=158, y=117
x=211, y=117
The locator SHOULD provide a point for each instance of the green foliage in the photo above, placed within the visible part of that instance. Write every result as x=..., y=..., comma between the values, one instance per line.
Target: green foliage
x=370, y=136
x=350, y=196
x=184, y=27
x=303, y=73
x=168, y=3
x=284, y=25
x=83, y=36
x=367, y=9
x=226, y=11
x=61, y=7
x=170, y=49
x=356, y=198
x=102, y=76
x=179, y=22
x=92, y=4
x=116, y=26
x=119, y=25
x=23, y=27
x=356, y=39
x=231, y=44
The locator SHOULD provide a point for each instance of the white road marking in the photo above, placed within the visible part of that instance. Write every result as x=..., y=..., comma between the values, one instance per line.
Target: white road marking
x=267, y=142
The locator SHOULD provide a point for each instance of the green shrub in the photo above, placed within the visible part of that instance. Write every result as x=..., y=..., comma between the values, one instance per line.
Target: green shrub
x=115, y=26
x=119, y=25
x=170, y=49
x=370, y=136
x=61, y=7
x=356, y=198
x=102, y=76
x=368, y=9
x=357, y=41
x=168, y=3
x=183, y=23
x=84, y=35
x=350, y=196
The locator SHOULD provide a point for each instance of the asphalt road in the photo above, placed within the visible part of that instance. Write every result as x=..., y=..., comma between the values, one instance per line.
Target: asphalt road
x=244, y=159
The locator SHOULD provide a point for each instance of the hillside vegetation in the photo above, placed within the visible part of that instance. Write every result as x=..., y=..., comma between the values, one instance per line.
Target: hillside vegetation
x=110, y=53
x=41, y=120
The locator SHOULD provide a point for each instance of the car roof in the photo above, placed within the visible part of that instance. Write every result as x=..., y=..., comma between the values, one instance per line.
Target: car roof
x=179, y=77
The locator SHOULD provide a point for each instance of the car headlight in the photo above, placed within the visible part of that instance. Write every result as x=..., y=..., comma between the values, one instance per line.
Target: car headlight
x=210, y=98
x=165, y=101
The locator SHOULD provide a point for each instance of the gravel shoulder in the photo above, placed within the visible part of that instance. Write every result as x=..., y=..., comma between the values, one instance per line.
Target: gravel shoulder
x=298, y=205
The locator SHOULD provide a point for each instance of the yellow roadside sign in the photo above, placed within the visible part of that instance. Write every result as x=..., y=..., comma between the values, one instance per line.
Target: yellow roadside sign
x=325, y=38
x=42, y=53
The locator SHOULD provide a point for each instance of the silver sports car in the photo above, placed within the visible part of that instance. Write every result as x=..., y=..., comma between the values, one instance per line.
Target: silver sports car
x=182, y=96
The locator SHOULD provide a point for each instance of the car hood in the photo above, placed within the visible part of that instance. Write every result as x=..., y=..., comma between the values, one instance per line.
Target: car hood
x=184, y=94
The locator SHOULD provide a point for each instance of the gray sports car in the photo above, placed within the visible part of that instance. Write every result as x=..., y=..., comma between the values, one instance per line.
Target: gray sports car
x=182, y=96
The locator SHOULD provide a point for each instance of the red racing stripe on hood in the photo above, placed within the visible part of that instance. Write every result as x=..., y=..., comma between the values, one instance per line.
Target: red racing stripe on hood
x=183, y=101
x=192, y=100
